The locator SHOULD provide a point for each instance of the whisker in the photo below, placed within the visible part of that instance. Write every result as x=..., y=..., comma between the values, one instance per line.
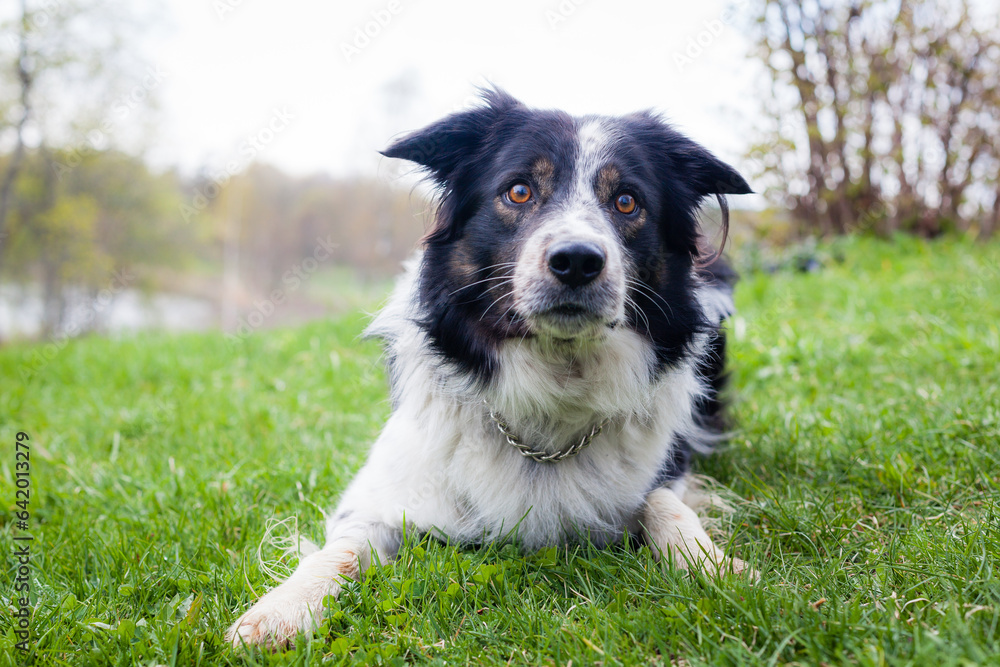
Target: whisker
x=502, y=296
x=492, y=268
x=629, y=301
x=510, y=322
x=489, y=289
x=653, y=296
x=479, y=282
x=499, y=265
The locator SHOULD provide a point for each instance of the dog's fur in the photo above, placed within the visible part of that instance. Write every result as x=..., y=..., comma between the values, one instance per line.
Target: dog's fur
x=487, y=319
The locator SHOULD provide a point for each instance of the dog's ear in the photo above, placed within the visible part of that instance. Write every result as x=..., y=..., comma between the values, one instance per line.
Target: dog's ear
x=689, y=173
x=679, y=157
x=445, y=146
x=707, y=174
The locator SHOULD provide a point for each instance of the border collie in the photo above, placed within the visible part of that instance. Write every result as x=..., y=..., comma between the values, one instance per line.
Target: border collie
x=554, y=353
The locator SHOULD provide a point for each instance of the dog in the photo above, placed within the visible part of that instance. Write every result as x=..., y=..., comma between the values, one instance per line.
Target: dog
x=554, y=351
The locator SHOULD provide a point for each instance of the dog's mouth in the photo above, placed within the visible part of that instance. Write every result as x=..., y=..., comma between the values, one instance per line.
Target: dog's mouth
x=568, y=320
x=553, y=310
x=570, y=311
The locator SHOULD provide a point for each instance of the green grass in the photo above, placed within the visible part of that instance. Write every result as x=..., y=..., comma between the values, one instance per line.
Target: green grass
x=866, y=464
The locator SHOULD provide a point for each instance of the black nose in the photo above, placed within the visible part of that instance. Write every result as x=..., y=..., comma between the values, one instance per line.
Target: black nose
x=576, y=263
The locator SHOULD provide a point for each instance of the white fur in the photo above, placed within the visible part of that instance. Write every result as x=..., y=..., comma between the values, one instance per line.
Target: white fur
x=594, y=138
x=673, y=529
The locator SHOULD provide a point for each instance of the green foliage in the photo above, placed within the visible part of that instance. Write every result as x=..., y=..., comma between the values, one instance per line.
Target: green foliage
x=104, y=209
x=77, y=219
x=865, y=473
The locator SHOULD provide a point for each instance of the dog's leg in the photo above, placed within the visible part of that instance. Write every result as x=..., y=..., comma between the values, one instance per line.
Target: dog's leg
x=673, y=529
x=297, y=604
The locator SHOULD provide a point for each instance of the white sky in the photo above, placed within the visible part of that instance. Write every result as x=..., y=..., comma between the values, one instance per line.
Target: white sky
x=230, y=63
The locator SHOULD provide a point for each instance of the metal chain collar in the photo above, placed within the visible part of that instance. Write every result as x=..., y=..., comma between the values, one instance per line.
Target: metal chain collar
x=542, y=456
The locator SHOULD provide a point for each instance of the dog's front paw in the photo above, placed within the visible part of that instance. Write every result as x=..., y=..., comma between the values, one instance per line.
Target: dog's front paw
x=732, y=565
x=276, y=619
x=710, y=561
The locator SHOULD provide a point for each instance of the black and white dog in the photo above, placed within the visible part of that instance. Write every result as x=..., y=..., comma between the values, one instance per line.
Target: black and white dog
x=555, y=352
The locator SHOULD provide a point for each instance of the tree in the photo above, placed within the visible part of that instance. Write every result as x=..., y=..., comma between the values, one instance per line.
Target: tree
x=70, y=69
x=72, y=78
x=882, y=115
x=25, y=85
x=76, y=237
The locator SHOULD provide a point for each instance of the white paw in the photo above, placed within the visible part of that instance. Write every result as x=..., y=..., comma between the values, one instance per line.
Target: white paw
x=297, y=605
x=731, y=565
x=711, y=561
x=276, y=618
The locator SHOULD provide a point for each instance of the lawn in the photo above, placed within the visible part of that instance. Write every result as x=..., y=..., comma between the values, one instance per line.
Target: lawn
x=864, y=472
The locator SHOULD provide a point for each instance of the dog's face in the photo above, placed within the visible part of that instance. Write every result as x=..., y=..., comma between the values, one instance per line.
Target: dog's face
x=560, y=228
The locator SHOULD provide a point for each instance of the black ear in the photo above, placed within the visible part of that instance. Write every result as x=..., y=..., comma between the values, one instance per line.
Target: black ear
x=442, y=146
x=707, y=174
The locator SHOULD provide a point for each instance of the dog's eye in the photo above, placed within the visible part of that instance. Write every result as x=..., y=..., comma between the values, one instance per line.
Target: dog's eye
x=519, y=193
x=625, y=203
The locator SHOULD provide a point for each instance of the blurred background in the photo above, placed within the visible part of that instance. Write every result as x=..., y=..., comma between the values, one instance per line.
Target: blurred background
x=195, y=164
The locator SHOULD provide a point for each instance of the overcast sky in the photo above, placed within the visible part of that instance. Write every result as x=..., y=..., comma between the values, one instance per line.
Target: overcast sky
x=352, y=75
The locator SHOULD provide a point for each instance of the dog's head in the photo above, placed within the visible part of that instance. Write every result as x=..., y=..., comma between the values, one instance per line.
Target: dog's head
x=560, y=227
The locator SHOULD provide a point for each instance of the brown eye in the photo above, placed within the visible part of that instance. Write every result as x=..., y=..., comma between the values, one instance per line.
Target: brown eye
x=625, y=203
x=519, y=193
